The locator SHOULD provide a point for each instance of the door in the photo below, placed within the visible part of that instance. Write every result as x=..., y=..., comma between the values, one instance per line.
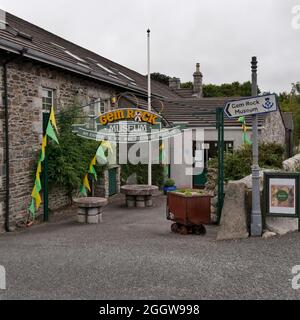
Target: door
x=112, y=181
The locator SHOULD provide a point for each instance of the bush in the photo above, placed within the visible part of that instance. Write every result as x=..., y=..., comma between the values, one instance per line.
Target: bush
x=237, y=164
x=141, y=171
x=69, y=161
x=169, y=183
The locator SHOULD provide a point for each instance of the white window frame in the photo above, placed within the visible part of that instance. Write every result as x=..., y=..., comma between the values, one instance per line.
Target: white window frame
x=49, y=105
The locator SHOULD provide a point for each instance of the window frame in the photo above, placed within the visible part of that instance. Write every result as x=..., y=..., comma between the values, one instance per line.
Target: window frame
x=48, y=108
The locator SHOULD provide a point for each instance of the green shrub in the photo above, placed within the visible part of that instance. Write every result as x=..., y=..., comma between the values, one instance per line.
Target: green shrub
x=169, y=183
x=237, y=164
x=69, y=161
x=141, y=171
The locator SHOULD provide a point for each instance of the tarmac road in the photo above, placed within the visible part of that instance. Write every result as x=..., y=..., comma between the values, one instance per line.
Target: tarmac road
x=133, y=255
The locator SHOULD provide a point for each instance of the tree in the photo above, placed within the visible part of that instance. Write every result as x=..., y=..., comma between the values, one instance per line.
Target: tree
x=234, y=89
x=290, y=102
x=160, y=77
x=187, y=85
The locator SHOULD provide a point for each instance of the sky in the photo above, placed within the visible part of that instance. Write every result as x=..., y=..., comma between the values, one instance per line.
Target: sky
x=221, y=35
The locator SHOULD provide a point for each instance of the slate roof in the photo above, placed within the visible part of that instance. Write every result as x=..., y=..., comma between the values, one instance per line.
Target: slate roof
x=39, y=44
x=195, y=112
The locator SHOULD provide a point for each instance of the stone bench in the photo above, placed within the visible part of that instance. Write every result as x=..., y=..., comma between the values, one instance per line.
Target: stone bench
x=138, y=195
x=90, y=209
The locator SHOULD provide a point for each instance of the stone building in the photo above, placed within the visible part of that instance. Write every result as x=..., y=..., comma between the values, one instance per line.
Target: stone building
x=39, y=69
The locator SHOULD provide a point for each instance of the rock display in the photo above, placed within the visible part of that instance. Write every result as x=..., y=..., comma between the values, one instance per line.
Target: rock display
x=234, y=213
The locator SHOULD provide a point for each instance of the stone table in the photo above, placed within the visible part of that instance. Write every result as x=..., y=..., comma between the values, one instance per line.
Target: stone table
x=138, y=195
x=90, y=209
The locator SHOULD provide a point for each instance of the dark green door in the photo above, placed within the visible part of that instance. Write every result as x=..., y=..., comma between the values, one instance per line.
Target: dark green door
x=112, y=180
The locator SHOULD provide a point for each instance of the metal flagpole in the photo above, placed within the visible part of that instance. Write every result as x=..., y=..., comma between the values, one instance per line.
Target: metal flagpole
x=149, y=109
x=256, y=219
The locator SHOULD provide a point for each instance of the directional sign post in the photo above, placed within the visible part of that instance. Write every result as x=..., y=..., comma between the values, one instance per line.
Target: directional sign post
x=252, y=107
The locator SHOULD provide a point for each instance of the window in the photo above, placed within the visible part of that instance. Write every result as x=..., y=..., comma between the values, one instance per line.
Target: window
x=97, y=107
x=48, y=100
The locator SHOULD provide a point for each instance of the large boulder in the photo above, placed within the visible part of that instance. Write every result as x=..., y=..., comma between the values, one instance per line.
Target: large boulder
x=234, y=213
x=281, y=225
x=292, y=163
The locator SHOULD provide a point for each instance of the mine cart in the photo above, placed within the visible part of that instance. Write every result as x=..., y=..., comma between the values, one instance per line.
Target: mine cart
x=190, y=210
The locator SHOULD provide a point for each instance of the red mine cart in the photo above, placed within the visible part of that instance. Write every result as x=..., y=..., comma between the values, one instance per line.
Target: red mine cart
x=189, y=211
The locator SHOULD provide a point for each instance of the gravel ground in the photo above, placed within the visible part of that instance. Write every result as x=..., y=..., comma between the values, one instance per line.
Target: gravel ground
x=133, y=255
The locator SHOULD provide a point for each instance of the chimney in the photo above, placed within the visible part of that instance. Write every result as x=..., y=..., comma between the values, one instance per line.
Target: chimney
x=197, y=87
x=174, y=83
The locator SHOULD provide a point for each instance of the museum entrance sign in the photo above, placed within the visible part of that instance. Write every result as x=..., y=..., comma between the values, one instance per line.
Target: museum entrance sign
x=127, y=126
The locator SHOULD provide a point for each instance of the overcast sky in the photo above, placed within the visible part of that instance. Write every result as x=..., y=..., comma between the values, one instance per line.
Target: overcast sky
x=221, y=35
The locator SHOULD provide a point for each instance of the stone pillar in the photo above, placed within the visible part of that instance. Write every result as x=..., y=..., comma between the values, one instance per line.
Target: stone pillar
x=197, y=87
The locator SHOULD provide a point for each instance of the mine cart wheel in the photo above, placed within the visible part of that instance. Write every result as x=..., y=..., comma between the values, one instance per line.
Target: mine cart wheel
x=183, y=230
x=174, y=227
x=200, y=229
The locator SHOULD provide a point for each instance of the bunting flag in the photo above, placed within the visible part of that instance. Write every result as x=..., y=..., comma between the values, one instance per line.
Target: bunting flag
x=50, y=132
x=82, y=191
x=36, y=199
x=106, y=146
x=86, y=183
x=52, y=118
x=246, y=139
x=92, y=169
x=99, y=157
x=43, y=150
x=32, y=208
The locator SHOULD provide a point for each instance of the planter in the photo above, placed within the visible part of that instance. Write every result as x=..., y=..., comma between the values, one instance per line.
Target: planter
x=168, y=189
x=188, y=210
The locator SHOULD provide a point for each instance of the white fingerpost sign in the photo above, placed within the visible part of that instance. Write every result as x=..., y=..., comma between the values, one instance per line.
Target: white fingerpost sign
x=251, y=106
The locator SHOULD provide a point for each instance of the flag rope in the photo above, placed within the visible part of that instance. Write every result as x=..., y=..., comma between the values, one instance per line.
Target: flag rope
x=35, y=194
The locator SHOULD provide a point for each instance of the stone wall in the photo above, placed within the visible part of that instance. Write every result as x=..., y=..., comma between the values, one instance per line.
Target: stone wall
x=273, y=129
x=25, y=82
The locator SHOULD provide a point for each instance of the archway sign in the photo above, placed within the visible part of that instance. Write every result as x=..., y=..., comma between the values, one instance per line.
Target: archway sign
x=136, y=125
x=127, y=125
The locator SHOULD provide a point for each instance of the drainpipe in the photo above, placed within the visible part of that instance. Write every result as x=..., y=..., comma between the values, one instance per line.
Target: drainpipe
x=6, y=119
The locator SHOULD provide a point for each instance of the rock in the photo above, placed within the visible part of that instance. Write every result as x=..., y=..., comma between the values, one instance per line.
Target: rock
x=234, y=213
x=214, y=201
x=292, y=163
x=268, y=234
x=282, y=226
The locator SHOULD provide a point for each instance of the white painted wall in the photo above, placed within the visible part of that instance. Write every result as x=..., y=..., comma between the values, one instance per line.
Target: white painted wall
x=179, y=172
